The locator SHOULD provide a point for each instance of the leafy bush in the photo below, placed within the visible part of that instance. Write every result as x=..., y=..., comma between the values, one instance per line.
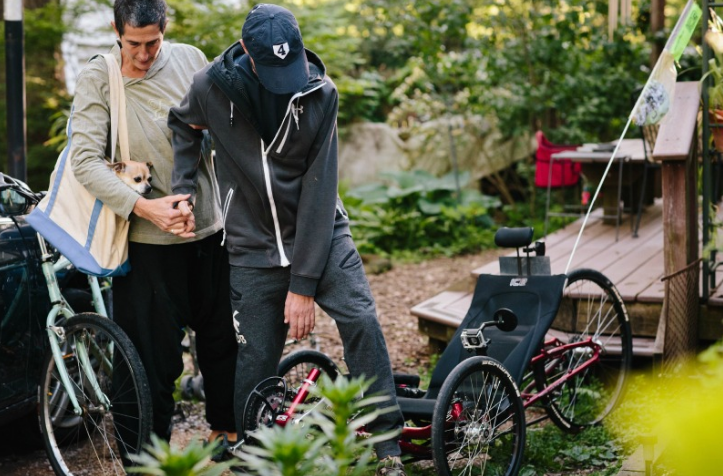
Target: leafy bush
x=549, y=450
x=532, y=64
x=415, y=212
x=682, y=409
x=161, y=459
x=328, y=444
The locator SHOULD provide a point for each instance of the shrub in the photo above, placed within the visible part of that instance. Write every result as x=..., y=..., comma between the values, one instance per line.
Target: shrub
x=162, y=459
x=328, y=443
x=415, y=212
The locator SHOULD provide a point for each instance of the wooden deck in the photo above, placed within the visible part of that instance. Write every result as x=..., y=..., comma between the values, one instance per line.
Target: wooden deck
x=634, y=265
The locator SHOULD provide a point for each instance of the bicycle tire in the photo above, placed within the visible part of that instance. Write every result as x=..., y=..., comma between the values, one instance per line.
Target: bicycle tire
x=99, y=441
x=478, y=425
x=591, y=308
x=266, y=402
x=295, y=367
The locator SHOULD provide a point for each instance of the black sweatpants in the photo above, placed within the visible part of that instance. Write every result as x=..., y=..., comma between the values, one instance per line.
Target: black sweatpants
x=168, y=288
x=258, y=297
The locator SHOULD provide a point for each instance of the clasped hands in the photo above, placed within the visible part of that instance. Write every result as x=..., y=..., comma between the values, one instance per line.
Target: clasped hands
x=299, y=312
x=178, y=220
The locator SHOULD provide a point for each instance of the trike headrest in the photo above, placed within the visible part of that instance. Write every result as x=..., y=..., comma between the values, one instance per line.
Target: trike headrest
x=513, y=237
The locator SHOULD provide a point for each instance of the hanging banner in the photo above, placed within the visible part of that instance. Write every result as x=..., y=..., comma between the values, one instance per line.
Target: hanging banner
x=656, y=98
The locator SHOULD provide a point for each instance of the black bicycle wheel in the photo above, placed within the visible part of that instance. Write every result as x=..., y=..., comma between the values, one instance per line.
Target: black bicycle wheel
x=591, y=311
x=295, y=367
x=266, y=402
x=478, y=426
x=115, y=417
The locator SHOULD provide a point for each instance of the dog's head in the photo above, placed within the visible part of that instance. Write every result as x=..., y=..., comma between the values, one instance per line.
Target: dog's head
x=137, y=175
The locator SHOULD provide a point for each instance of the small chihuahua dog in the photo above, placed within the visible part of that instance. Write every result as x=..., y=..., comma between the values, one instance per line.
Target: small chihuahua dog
x=137, y=175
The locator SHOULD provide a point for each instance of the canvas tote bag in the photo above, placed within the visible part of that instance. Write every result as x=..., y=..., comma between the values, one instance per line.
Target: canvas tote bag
x=76, y=223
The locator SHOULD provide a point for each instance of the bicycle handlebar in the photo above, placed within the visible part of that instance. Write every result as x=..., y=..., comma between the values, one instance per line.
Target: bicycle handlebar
x=8, y=182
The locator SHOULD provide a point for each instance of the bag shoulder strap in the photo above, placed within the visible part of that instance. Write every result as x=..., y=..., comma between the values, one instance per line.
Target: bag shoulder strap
x=118, y=123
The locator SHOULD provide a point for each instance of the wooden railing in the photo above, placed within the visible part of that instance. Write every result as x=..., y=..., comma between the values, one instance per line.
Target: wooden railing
x=677, y=149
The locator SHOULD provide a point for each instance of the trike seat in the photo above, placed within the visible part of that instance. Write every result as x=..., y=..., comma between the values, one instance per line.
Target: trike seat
x=534, y=300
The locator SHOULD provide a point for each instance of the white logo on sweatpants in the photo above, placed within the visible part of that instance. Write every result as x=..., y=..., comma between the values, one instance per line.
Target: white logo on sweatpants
x=239, y=337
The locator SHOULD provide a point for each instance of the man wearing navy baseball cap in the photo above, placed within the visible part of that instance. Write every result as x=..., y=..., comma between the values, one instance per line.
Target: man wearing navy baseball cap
x=271, y=111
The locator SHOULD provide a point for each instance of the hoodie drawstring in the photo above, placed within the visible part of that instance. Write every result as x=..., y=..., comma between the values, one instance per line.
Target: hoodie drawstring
x=296, y=110
x=230, y=119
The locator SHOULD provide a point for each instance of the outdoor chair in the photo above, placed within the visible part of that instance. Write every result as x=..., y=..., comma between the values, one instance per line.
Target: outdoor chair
x=557, y=174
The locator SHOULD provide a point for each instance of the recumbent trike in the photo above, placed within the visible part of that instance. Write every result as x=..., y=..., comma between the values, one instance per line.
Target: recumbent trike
x=559, y=342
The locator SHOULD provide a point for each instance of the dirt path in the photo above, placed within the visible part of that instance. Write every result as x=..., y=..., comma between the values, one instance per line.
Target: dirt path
x=396, y=291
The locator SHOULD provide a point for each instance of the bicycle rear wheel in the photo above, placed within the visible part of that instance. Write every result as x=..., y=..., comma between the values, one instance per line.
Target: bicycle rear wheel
x=478, y=427
x=591, y=310
x=98, y=440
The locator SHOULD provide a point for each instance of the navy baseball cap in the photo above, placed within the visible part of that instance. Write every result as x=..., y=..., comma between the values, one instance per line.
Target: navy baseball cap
x=272, y=38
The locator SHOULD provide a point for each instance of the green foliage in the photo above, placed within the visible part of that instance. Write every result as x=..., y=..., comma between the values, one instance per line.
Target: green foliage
x=417, y=212
x=328, y=444
x=161, y=459
x=681, y=408
x=549, y=450
x=551, y=65
x=540, y=64
x=210, y=26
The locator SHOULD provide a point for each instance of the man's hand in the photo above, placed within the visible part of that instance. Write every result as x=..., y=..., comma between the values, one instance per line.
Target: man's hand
x=161, y=213
x=299, y=315
x=190, y=225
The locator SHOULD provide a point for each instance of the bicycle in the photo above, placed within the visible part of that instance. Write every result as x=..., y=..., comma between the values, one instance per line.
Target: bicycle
x=93, y=397
x=565, y=340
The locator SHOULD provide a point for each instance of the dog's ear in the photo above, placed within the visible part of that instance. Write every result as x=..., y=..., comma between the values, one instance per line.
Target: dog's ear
x=118, y=167
x=149, y=164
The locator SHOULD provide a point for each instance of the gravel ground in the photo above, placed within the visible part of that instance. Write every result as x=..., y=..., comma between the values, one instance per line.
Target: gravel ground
x=396, y=291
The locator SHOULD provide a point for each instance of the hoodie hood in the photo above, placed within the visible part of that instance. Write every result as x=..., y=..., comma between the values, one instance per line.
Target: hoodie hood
x=224, y=74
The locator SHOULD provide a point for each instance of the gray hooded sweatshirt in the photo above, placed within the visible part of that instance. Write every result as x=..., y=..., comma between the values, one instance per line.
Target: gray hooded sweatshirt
x=280, y=200
x=148, y=100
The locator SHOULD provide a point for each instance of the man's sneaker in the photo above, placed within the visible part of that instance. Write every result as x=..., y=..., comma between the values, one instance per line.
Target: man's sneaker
x=390, y=466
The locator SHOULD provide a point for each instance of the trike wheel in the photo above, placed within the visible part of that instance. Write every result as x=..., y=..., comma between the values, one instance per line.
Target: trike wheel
x=295, y=368
x=478, y=426
x=266, y=402
x=110, y=384
x=593, y=323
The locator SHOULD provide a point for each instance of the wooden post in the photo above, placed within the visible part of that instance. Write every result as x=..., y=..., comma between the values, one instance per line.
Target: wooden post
x=15, y=88
x=676, y=149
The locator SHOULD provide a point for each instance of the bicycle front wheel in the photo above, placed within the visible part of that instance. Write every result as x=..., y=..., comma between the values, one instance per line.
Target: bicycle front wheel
x=295, y=367
x=478, y=425
x=592, y=317
x=110, y=384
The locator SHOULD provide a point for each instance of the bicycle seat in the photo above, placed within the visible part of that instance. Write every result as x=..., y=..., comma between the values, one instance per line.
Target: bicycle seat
x=513, y=237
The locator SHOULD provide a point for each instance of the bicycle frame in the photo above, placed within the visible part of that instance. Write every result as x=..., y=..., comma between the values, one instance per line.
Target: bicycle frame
x=406, y=437
x=56, y=334
x=554, y=349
